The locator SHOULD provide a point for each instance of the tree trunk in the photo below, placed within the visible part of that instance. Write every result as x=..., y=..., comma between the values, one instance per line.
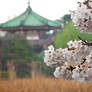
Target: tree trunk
x=34, y=69
x=11, y=69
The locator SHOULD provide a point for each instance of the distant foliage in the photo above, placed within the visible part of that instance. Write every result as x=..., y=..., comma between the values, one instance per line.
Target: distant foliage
x=18, y=51
x=21, y=50
x=69, y=32
x=64, y=20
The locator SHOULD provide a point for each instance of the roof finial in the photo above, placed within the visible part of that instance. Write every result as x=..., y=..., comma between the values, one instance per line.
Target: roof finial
x=29, y=3
x=29, y=8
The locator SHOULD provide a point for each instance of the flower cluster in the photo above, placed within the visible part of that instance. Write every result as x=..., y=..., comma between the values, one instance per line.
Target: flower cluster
x=52, y=57
x=72, y=63
x=82, y=17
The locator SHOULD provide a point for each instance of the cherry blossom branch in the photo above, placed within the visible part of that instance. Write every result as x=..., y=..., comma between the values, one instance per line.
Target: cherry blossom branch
x=71, y=68
x=87, y=3
x=85, y=42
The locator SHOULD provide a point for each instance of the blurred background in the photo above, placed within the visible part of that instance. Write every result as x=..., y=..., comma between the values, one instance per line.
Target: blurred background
x=27, y=28
x=23, y=38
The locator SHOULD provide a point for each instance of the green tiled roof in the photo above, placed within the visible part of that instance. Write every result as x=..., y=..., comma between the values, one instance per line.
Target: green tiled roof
x=29, y=18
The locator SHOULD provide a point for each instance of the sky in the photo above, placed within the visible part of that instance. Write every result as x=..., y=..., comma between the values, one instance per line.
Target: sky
x=51, y=9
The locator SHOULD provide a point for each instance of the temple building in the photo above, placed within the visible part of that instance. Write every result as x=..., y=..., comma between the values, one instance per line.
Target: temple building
x=37, y=29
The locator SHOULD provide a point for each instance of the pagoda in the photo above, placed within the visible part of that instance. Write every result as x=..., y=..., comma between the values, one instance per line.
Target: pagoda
x=32, y=26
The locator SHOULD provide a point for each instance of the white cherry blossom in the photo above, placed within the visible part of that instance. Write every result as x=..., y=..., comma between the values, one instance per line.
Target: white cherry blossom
x=74, y=62
x=89, y=58
x=82, y=17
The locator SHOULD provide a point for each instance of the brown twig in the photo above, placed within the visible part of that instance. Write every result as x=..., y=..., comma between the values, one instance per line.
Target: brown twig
x=87, y=3
x=71, y=68
x=79, y=4
x=84, y=60
x=85, y=42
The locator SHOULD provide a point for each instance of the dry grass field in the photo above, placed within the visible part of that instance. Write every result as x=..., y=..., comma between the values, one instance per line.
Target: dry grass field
x=41, y=84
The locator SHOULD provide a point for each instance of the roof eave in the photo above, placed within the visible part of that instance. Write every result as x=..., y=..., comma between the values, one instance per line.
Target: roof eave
x=19, y=28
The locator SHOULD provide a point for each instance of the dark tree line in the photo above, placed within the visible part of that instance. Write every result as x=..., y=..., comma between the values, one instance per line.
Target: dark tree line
x=15, y=55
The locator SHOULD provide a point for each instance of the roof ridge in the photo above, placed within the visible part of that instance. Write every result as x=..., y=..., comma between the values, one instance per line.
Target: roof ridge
x=30, y=18
x=44, y=22
x=22, y=21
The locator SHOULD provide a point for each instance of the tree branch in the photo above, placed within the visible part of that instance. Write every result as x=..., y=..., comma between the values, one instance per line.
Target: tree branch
x=85, y=42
